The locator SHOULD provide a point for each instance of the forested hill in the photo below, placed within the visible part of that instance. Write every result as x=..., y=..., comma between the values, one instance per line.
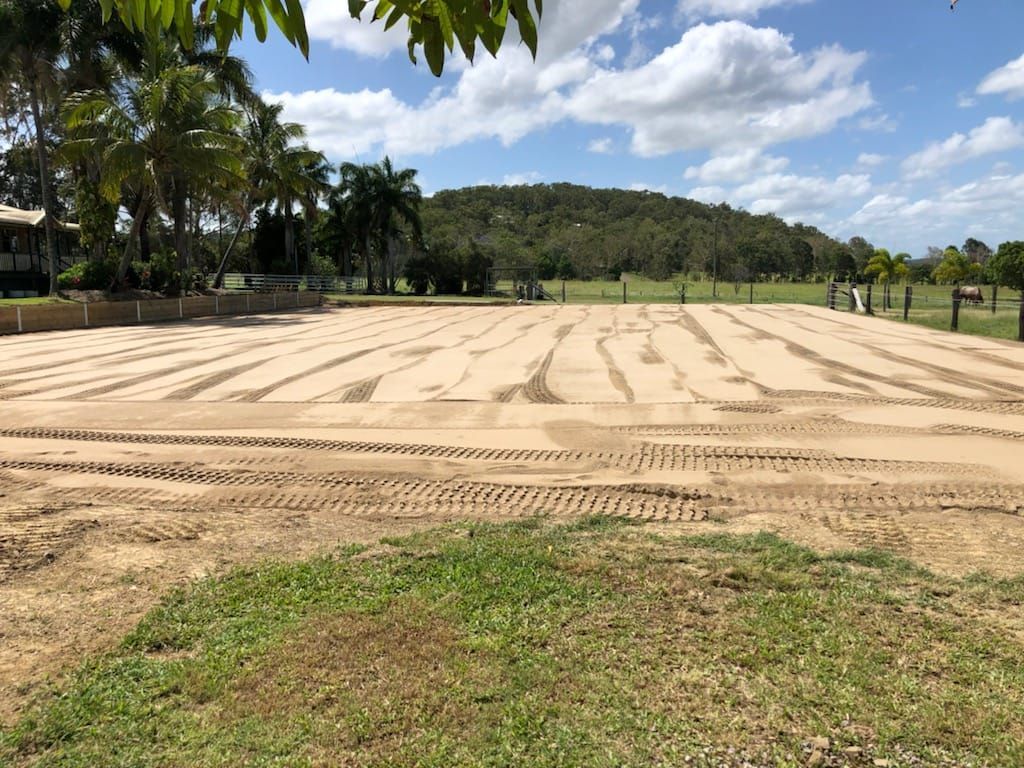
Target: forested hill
x=575, y=231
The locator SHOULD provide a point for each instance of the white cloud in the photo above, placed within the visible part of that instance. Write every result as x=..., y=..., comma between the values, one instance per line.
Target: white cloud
x=965, y=101
x=504, y=100
x=712, y=194
x=731, y=9
x=329, y=20
x=869, y=160
x=342, y=124
x=987, y=208
x=726, y=85
x=1008, y=80
x=601, y=146
x=736, y=167
x=519, y=179
x=639, y=186
x=880, y=122
x=997, y=134
x=804, y=198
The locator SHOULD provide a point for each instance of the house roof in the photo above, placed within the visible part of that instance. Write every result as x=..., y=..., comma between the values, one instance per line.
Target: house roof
x=17, y=217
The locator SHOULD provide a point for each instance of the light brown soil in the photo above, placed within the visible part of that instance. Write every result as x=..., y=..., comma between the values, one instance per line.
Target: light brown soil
x=134, y=459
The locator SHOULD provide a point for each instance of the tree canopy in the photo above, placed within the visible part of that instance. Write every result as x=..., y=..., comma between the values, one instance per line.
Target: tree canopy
x=955, y=268
x=436, y=26
x=1007, y=266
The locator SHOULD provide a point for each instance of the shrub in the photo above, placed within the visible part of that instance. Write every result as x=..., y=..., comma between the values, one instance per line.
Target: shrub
x=87, y=276
x=159, y=274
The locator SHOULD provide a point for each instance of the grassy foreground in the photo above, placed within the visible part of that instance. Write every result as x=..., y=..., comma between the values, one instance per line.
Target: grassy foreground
x=595, y=644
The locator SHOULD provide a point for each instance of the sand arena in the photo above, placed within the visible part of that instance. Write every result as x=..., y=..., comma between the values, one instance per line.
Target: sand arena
x=134, y=458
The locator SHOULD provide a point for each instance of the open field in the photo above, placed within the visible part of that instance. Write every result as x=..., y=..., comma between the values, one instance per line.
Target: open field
x=136, y=458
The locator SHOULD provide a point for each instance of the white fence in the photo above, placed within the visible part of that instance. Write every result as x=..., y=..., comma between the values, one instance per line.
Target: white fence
x=236, y=281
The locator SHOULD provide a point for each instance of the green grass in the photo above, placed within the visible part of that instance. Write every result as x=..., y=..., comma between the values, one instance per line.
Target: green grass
x=33, y=301
x=641, y=291
x=975, y=321
x=593, y=644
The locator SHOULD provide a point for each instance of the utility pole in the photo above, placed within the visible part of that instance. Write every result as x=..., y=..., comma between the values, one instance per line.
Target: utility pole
x=714, y=282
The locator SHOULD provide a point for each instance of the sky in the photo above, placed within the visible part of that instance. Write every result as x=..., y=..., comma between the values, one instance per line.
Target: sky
x=896, y=120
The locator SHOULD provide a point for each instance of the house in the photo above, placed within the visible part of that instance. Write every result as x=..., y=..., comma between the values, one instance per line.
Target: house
x=24, y=265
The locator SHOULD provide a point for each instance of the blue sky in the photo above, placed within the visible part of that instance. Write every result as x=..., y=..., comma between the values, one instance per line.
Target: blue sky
x=894, y=119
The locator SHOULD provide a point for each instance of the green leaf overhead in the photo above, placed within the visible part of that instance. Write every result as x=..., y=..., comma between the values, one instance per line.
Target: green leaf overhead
x=436, y=26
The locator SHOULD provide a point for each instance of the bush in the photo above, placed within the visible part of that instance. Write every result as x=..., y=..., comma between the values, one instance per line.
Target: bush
x=446, y=269
x=87, y=276
x=160, y=274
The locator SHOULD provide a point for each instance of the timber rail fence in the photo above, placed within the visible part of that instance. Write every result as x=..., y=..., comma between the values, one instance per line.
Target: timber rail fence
x=54, y=317
x=839, y=295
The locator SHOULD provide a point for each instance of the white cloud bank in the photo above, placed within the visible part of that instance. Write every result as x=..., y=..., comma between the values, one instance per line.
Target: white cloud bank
x=1007, y=80
x=736, y=167
x=727, y=87
x=730, y=9
x=810, y=199
x=988, y=207
x=997, y=134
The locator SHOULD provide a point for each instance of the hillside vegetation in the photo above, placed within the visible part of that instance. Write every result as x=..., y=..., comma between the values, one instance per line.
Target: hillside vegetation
x=570, y=231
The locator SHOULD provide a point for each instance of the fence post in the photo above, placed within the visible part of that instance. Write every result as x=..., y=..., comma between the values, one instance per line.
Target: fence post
x=216, y=305
x=181, y=311
x=85, y=309
x=908, y=295
x=18, y=312
x=624, y=292
x=1020, y=320
x=995, y=289
x=853, y=302
x=275, y=299
x=247, y=303
x=955, y=323
x=563, y=291
x=867, y=304
x=138, y=311
x=751, y=293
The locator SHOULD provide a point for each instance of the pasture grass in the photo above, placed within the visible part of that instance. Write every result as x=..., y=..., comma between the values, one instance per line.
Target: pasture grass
x=974, y=320
x=34, y=300
x=591, y=644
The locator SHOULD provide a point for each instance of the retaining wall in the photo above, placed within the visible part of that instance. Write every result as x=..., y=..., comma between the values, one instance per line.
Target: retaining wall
x=57, y=317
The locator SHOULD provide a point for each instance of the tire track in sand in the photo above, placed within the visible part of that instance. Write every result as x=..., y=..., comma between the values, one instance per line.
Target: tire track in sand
x=536, y=388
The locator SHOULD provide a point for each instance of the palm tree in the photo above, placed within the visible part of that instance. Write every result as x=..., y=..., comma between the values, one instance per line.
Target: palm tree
x=229, y=79
x=357, y=190
x=152, y=136
x=397, y=200
x=343, y=230
x=377, y=198
x=264, y=137
x=889, y=269
x=30, y=44
x=300, y=177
